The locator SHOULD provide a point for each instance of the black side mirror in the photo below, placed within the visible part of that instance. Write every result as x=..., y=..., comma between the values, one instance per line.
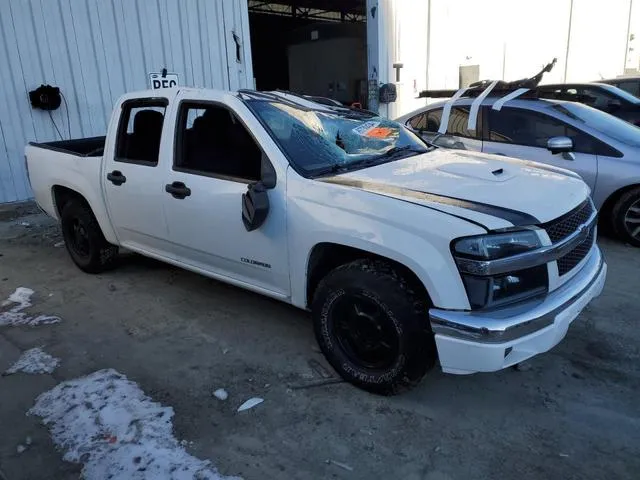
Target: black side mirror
x=255, y=202
x=255, y=206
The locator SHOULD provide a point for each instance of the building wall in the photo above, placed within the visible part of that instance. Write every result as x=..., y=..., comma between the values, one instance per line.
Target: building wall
x=507, y=39
x=328, y=60
x=96, y=50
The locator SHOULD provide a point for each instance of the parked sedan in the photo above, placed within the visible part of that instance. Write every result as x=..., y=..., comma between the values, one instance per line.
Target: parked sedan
x=628, y=84
x=602, y=96
x=601, y=148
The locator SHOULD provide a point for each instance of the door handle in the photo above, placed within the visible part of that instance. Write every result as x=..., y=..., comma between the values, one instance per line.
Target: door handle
x=116, y=178
x=177, y=190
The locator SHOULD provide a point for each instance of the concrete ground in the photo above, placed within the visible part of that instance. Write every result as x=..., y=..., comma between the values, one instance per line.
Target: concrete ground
x=572, y=413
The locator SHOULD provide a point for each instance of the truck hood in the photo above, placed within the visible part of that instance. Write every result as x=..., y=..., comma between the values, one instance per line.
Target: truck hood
x=492, y=190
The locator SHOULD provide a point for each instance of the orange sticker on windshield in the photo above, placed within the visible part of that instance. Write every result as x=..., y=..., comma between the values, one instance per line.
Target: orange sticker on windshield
x=380, y=132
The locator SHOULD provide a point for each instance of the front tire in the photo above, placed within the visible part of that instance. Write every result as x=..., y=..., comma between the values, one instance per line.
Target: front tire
x=626, y=217
x=373, y=328
x=84, y=240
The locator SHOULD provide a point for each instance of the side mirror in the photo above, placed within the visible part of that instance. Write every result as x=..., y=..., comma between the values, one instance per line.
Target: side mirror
x=255, y=206
x=559, y=145
x=255, y=202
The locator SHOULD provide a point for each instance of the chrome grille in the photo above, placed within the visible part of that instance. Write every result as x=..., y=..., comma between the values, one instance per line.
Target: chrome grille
x=562, y=227
x=575, y=256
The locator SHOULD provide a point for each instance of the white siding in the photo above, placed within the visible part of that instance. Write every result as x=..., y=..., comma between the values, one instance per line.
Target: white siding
x=96, y=50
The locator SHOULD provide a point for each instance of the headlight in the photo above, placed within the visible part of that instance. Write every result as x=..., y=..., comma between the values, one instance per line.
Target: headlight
x=486, y=292
x=490, y=247
x=473, y=255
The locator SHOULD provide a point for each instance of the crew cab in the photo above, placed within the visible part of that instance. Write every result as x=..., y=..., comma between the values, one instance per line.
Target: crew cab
x=405, y=254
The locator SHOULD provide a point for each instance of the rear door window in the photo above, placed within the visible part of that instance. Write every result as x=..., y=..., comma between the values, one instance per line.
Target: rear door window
x=139, y=131
x=426, y=121
x=457, y=125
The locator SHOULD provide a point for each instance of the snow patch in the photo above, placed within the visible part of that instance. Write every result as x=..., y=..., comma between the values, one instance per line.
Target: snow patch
x=15, y=316
x=221, y=394
x=252, y=402
x=34, y=361
x=108, y=424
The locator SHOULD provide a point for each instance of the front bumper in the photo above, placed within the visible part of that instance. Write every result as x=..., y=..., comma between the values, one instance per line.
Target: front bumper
x=487, y=341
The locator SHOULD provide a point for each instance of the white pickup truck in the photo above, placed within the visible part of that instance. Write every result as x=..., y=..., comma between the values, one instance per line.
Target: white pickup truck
x=404, y=253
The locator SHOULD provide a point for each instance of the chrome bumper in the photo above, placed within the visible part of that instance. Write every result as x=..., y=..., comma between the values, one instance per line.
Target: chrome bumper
x=518, y=320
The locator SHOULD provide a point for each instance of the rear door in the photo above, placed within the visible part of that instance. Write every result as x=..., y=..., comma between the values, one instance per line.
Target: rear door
x=132, y=179
x=458, y=135
x=523, y=134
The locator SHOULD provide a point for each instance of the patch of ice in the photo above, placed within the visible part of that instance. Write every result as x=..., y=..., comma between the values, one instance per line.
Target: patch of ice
x=20, y=448
x=22, y=296
x=15, y=316
x=221, y=394
x=108, y=424
x=34, y=361
x=252, y=402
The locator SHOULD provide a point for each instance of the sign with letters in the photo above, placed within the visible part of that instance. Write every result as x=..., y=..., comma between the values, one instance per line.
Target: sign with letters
x=156, y=80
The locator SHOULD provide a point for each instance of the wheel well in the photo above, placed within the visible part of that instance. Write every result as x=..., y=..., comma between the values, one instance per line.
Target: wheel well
x=607, y=206
x=63, y=195
x=327, y=256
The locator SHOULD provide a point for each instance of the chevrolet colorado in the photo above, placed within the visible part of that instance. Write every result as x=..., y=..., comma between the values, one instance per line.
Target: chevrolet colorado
x=404, y=253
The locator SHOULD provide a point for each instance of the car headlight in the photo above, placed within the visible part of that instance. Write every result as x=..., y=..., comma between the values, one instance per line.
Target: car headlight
x=500, y=245
x=473, y=255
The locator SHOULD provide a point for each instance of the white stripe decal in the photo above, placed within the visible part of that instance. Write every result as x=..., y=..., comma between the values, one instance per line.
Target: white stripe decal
x=497, y=106
x=446, y=112
x=475, y=106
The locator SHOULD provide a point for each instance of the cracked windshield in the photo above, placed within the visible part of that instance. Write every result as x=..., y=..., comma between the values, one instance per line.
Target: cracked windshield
x=324, y=141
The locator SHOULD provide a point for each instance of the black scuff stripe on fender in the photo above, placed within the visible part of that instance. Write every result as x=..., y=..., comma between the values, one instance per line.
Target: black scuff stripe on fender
x=518, y=219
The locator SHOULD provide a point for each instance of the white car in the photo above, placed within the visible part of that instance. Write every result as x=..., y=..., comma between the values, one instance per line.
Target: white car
x=404, y=254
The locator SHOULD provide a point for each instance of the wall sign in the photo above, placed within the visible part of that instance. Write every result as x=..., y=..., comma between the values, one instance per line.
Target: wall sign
x=156, y=80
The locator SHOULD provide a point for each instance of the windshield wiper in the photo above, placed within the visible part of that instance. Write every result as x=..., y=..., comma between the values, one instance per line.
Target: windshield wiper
x=367, y=162
x=395, y=150
x=335, y=168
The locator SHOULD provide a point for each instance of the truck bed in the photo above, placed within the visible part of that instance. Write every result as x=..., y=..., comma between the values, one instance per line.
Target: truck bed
x=80, y=147
x=70, y=164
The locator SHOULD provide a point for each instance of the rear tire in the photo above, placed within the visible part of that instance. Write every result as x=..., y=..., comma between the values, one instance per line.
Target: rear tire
x=626, y=217
x=84, y=240
x=373, y=328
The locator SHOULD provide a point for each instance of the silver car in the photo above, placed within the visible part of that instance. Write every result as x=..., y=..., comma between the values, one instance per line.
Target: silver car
x=603, y=149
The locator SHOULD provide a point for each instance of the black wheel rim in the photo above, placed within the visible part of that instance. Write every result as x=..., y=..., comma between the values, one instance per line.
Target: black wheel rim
x=365, y=332
x=78, y=238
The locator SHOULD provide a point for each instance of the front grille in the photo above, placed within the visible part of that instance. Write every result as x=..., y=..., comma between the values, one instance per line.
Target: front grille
x=575, y=256
x=562, y=227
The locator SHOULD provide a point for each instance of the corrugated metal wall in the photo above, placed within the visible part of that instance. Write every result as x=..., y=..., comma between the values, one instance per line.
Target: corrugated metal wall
x=96, y=50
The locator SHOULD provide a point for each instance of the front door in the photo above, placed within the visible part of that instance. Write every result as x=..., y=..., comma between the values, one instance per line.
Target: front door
x=523, y=134
x=216, y=158
x=132, y=179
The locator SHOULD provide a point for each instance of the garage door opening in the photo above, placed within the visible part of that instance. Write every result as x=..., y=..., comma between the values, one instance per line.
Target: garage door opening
x=311, y=47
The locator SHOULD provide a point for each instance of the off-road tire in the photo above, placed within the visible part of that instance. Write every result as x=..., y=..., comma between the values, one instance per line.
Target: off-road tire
x=100, y=255
x=406, y=311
